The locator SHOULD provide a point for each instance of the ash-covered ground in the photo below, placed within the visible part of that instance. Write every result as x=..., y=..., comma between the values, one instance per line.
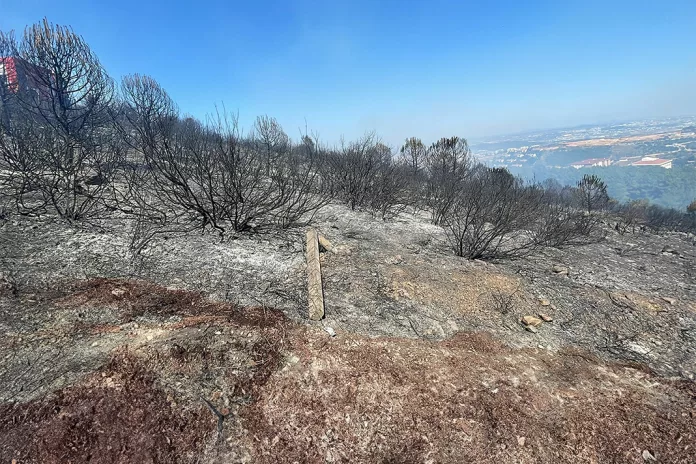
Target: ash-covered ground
x=430, y=362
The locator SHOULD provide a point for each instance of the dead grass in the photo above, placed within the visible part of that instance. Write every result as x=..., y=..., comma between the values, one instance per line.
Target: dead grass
x=468, y=399
x=146, y=403
x=120, y=414
x=133, y=299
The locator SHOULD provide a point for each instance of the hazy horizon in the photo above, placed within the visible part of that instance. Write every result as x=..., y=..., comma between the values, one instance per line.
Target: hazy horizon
x=426, y=70
x=603, y=123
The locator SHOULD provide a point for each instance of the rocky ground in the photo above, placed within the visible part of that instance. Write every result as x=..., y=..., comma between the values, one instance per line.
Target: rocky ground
x=199, y=349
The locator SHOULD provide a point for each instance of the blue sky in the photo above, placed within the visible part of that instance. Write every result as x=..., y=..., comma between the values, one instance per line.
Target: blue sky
x=402, y=68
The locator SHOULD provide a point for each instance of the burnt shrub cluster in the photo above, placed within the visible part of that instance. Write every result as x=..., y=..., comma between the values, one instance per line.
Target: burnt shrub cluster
x=639, y=216
x=76, y=144
x=495, y=215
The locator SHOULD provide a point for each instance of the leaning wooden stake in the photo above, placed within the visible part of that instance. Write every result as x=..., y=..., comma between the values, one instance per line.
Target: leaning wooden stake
x=315, y=294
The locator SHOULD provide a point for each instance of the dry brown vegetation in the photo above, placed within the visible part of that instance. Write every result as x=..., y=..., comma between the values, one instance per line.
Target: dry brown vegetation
x=161, y=394
x=468, y=399
x=117, y=415
x=288, y=393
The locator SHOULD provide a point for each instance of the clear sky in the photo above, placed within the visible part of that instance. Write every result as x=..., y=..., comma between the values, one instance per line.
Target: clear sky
x=402, y=68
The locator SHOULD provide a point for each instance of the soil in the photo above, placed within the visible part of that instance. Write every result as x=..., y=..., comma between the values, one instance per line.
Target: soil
x=199, y=349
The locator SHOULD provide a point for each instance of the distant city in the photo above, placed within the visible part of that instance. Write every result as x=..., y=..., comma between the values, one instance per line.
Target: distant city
x=657, y=143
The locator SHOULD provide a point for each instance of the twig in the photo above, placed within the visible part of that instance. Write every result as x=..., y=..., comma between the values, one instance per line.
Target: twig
x=413, y=327
x=220, y=416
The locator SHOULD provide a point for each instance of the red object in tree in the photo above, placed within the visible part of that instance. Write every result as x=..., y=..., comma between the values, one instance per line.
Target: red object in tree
x=8, y=70
x=18, y=74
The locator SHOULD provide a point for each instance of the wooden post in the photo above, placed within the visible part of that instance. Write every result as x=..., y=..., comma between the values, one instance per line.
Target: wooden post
x=315, y=293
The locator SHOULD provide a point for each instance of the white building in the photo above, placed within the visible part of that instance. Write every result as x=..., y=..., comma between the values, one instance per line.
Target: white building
x=652, y=161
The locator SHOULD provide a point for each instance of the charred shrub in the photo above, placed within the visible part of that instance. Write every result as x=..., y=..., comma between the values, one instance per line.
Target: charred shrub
x=212, y=176
x=492, y=215
x=364, y=174
x=448, y=164
x=57, y=142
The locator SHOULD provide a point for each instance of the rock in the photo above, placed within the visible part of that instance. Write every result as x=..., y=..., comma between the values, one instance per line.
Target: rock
x=521, y=440
x=118, y=292
x=531, y=328
x=638, y=348
x=395, y=260
x=668, y=249
x=670, y=300
x=531, y=320
x=544, y=302
x=330, y=331
x=545, y=317
x=648, y=456
x=343, y=250
x=558, y=269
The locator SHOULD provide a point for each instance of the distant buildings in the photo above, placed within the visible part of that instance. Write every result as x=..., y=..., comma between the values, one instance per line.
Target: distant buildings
x=627, y=161
x=652, y=161
x=592, y=162
x=8, y=74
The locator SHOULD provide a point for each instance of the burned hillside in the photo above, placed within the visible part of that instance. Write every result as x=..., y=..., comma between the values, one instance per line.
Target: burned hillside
x=429, y=358
x=154, y=292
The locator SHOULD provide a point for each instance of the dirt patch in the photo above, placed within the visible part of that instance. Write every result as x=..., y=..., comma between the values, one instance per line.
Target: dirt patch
x=458, y=291
x=468, y=399
x=118, y=415
x=635, y=300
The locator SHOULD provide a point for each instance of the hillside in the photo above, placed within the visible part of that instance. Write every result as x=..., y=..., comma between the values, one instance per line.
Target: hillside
x=199, y=350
